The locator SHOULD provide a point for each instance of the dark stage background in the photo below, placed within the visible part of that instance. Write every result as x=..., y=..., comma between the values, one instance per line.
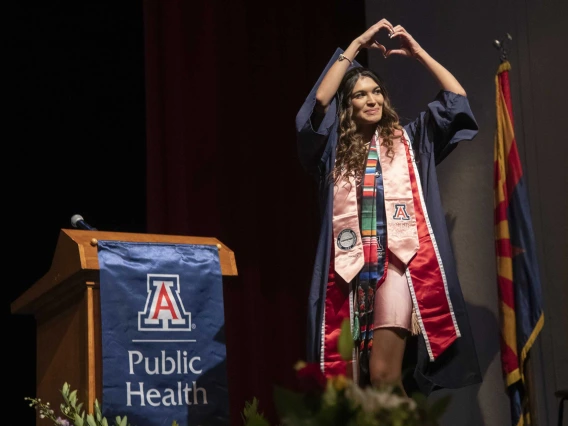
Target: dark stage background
x=176, y=118
x=76, y=126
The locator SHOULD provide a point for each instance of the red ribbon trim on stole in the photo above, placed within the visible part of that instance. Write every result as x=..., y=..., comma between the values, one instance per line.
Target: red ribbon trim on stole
x=337, y=308
x=427, y=281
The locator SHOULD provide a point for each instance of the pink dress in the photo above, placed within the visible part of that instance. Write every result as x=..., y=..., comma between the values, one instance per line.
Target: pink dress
x=393, y=303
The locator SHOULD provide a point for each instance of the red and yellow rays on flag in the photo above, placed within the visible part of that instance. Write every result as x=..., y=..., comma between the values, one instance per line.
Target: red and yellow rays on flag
x=517, y=267
x=504, y=150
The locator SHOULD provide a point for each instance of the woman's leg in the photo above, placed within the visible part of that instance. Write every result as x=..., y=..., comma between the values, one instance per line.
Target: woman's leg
x=393, y=322
x=385, y=363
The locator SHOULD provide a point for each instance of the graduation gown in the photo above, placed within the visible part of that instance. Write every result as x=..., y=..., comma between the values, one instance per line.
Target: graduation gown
x=435, y=133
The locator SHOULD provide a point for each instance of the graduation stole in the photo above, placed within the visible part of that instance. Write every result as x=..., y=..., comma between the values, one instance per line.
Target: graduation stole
x=368, y=276
x=433, y=310
x=433, y=314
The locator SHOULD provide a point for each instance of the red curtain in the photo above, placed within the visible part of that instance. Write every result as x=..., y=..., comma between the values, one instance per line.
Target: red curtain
x=224, y=81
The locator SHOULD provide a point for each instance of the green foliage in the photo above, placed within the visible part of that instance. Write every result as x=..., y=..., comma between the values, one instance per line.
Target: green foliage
x=290, y=402
x=73, y=413
x=343, y=403
x=251, y=416
x=338, y=401
x=345, y=343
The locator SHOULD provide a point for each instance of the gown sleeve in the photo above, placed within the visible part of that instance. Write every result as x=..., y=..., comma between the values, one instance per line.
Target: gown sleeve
x=312, y=137
x=447, y=121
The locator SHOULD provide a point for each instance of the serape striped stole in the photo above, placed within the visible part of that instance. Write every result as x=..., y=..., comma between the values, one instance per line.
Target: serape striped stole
x=368, y=276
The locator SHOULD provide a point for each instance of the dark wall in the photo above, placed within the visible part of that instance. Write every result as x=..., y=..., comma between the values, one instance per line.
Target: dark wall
x=460, y=35
x=74, y=141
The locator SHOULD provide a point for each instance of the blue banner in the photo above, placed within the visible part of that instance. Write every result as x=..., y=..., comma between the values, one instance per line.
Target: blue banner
x=163, y=341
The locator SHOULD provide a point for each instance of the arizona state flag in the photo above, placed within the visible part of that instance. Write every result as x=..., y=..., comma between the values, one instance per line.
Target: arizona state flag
x=518, y=275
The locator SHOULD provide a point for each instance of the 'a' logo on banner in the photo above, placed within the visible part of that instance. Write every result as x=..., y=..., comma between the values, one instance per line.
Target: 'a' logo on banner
x=400, y=212
x=164, y=310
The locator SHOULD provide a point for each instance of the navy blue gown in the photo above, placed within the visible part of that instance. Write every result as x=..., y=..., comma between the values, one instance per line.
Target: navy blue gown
x=435, y=133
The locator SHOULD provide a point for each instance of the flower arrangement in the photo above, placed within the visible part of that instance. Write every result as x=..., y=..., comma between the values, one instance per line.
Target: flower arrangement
x=338, y=401
x=73, y=413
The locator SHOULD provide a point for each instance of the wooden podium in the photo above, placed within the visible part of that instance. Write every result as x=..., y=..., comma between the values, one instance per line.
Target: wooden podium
x=66, y=305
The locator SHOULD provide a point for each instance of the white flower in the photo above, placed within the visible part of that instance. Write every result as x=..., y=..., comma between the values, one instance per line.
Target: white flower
x=355, y=394
x=391, y=400
x=372, y=400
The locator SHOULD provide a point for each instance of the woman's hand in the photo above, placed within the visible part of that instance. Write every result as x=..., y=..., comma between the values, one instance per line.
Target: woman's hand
x=408, y=46
x=368, y=38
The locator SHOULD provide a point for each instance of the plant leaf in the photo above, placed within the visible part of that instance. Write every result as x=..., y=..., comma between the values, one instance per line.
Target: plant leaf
x=91, y=420
x=251, y=408
x=78, y=420
x=420, y=399
x=251, y=415
x=73, y=398
x=345, y=342
x=288, y=403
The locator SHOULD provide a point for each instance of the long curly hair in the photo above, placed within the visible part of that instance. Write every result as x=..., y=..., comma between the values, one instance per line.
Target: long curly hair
x=351, y=154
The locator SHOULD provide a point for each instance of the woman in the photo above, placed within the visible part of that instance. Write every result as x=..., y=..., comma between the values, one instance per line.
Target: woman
x=384, y=258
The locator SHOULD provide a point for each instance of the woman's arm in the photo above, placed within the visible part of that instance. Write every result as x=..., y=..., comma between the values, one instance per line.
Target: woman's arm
x=332, y=79
x=411, y=48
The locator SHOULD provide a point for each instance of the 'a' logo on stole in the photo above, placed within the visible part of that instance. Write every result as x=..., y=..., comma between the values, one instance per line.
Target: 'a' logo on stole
x=164, y=310
x=400, y=212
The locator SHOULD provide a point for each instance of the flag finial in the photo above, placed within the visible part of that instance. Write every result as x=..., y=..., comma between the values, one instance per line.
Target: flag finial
x=502, y=46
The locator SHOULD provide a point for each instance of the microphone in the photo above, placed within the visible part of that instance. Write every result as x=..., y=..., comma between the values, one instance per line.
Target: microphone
x=78, y=222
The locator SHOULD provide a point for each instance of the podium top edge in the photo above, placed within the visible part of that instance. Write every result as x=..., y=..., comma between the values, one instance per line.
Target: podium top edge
x=88, y=239
x=81, y=236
